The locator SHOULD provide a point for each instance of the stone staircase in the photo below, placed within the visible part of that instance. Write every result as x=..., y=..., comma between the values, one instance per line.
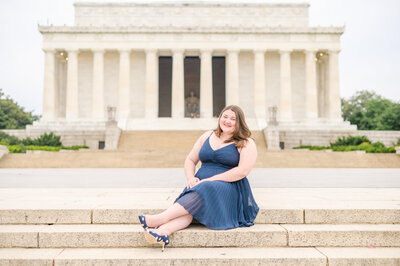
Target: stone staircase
x=294, y=227
x=165, y=149
x=173, y=140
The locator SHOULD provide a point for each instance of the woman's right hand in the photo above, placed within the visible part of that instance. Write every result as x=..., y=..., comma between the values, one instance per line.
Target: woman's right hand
x=192, y=181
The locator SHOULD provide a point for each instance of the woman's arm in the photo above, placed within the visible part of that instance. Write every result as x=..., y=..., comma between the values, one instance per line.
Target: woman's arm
x=248, y=156
x=193, y=158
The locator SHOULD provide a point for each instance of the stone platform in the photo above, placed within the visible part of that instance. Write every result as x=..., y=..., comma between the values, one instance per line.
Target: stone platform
x=295, y=226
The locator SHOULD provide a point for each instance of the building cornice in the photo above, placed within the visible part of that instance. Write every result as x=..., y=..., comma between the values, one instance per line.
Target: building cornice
x=143, y=29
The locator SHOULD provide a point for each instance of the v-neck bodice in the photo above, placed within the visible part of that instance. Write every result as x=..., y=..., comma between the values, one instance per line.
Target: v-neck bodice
x=217, y=161
x=208, y=139
x=219, y=204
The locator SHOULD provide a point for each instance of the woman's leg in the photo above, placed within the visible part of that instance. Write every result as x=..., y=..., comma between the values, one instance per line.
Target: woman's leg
x=175, y=211
x=174, y=225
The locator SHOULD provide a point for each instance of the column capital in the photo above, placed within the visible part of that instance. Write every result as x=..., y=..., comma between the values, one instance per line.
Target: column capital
x=205, y=54
x=124, y=51
x=178, y=51
x=72, y=50
x=150, y=51
x=259, y=50
x=206, y=51
x=314, y=51
x=233, y=51
x=285, y=51
x=49, y=50
x=333, y=51
x=98, y=50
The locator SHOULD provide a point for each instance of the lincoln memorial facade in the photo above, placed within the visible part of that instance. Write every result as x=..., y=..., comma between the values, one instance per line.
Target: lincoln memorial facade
x=174, y=66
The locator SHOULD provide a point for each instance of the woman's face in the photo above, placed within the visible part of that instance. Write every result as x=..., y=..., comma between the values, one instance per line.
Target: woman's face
x=228, y=121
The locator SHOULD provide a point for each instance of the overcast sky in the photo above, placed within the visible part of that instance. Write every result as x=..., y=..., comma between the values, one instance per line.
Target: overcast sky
x=369, y=60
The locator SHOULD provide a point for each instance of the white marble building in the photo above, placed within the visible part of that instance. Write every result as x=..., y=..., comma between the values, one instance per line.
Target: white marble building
x=146, y=59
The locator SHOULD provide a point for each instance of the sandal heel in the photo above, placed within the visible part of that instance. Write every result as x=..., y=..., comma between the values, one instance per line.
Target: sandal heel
x=154, y=238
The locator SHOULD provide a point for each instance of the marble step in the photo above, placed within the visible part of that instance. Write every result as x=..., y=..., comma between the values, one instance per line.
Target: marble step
x=260, y=235
x=265, y=216
x=201, y=256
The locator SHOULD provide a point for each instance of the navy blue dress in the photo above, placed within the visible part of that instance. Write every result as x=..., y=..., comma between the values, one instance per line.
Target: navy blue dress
x=219, y=204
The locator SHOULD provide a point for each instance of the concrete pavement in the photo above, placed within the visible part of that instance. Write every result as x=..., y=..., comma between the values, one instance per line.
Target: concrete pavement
x=174, y=178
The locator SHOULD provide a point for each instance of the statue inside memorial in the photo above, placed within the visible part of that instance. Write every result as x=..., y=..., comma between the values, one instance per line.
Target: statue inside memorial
x=192, y=106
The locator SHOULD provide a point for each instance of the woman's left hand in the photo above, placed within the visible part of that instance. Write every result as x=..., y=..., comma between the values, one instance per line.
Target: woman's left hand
x=201, y=181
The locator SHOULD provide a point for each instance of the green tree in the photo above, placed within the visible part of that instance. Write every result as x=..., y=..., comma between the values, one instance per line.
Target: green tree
x=12, y=116
x=370, y=111
x=391, y=118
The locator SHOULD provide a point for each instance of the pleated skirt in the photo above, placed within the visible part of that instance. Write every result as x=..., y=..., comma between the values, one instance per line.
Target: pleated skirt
x=220, y=205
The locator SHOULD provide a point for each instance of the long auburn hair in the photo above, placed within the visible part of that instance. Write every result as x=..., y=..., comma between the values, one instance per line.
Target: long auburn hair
x=242, y=131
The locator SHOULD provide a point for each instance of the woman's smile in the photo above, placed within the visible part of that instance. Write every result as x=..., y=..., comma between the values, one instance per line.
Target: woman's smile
x=228, y=121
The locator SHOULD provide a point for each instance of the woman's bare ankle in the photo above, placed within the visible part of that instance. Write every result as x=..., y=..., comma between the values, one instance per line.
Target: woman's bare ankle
x=153, y=220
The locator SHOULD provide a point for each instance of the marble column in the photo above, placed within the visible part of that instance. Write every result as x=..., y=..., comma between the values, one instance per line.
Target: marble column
x=311, y=103
x=98, y=108
x=232, y=78
x=285, y=105
x=72, y=111
x=206, y=88
x=178, y=90
x=124, y=85
x=335, y=113
x=151, y=99
x=49, y=88
x=259, y=85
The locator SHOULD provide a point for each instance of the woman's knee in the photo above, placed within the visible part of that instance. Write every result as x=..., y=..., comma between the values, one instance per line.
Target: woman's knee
x=188, y=218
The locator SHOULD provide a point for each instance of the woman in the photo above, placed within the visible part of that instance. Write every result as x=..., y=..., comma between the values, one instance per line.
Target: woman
x=219, y=194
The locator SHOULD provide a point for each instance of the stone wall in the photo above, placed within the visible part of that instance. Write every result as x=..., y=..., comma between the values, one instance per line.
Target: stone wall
x=296, y=138
x=68, y=137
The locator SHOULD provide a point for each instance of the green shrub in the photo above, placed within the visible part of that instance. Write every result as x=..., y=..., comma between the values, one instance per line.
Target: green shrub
x=312, y=147
x=350, y=141
x=22, y=148
x=42, y=148
x=378, y=145
x=47, y=139
x=75, y=147
x=367, y=148
x=28, y=141
x=8, y=139
x=15, y=149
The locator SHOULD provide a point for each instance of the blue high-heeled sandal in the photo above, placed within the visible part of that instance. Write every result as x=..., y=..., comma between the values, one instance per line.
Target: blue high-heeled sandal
x=154, y=238
x=142, y=220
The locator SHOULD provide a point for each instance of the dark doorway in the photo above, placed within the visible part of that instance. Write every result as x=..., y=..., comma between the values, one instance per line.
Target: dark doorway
x=102, y=144
x=164, y=86
x=218, y=80
x=192, y=86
